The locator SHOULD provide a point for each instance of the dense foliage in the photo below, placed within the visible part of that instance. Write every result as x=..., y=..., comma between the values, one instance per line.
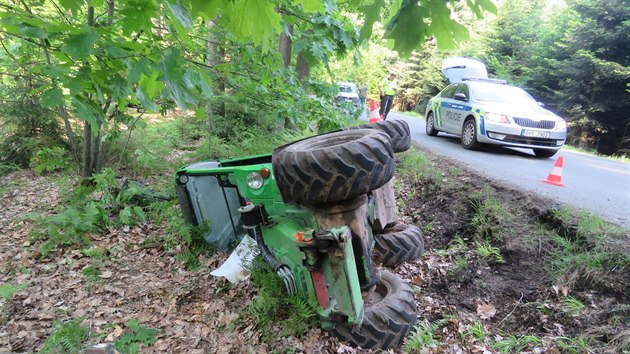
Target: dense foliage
x=87, y=61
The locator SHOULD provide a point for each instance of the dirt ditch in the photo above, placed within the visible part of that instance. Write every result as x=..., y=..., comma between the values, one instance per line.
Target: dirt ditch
x=517, y=297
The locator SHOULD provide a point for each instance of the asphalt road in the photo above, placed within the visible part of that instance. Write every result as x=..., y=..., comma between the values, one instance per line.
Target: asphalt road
x=593, y=184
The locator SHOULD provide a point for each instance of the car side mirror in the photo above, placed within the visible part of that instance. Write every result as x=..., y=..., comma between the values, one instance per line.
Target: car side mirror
x=541, y=104
x=460, y=97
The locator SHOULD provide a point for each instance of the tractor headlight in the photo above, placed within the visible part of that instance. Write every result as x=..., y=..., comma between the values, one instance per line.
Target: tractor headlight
x=496, y=117
x=254, y=180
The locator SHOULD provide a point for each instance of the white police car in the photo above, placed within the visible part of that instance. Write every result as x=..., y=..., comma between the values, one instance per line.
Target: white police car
x=483, y=110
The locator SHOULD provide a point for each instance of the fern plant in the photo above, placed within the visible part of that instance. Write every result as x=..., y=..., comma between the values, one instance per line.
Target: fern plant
x=134, y=337
x=66, y=337
x=272, y=304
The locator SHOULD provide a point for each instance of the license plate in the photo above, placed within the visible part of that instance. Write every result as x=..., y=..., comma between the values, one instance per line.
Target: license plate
x=536, y=134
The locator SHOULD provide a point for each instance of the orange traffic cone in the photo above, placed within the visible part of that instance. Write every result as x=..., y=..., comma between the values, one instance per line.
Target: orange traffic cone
x=374, y=116
x=555, y=177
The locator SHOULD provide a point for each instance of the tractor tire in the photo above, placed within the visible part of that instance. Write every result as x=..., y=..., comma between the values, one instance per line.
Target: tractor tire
x=333, y=167
x=398, y=131
x=390, y=313
x=398, y=244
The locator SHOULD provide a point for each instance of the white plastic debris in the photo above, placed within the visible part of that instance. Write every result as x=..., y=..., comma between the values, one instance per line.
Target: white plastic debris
x=235, y=267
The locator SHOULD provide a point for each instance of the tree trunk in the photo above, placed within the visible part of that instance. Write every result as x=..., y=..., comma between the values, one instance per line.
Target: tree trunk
x=216, y=55
x=303, y=69
x=90, y=148
x=285, y=44
x=86, y=171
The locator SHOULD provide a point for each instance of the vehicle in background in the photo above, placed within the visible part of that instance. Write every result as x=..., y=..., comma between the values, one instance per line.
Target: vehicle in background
x=348, y=92
x=489, y=111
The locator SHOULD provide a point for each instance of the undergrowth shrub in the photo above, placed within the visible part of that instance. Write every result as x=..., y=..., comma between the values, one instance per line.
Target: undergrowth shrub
x=25, y=126
x=178, y=233
x=50, y=160
x=107, y=202
x=272, y=304
x=66, y=337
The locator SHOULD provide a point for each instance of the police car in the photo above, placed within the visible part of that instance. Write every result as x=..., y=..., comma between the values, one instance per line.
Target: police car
x=488, y=111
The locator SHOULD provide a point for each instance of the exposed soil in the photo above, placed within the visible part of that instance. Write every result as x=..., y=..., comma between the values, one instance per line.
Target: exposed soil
x=197, y=313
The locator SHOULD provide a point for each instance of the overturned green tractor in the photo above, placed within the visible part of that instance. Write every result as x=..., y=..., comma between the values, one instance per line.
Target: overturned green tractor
x=323, y=213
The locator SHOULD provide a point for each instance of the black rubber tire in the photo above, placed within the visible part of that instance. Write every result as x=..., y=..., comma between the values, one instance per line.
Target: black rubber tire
x=469, y=134
x=544, y=153
x=390, y=313
x=398, y=244
x=333, y=167
x=398, y=131
x=430, y=125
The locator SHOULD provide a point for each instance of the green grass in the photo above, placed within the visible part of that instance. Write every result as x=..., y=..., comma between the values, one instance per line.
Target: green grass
x=489, y=216
x=8, y=290
x=477, y=331
x=416, y=165
x=514, y=344
x=593, y=152
x=91, y=273
x=573, y=345
x=585, y=247
x=572, y=306
x=421, y=338
x=487, y=251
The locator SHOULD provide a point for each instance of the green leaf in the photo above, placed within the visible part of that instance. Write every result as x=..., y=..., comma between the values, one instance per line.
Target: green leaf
x=372, y=14
x=138, y=69
x=446, y=31
x=120, y=88
x=311, y=5
x=74, y=5
x=86, y=111
x=80, y=46
x=134, y=325
x=52, y=97
x=256, y=20
x=180, y=13
x=137, y=15
x=407, y=28
x=207, y=9
x=151, y=85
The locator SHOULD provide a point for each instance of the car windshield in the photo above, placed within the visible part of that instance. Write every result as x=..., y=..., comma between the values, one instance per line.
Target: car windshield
x=347, y=88
x=501, y=93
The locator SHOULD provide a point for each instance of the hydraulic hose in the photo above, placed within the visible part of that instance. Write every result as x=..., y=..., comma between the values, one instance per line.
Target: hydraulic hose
x=282, y=270
x=264, y=251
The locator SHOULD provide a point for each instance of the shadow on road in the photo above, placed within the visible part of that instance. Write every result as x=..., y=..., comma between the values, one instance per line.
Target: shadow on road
x=488, y=148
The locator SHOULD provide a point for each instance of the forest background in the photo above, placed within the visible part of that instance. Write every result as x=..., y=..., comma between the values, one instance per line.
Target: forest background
x=71, y=69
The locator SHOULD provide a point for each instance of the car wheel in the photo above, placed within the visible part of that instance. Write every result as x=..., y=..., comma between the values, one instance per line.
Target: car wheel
x=397, y=130
x=390, y=313
x=333, y=167
x=544, y=152
x=430, y=125
x=398, y=244
x=469, y=134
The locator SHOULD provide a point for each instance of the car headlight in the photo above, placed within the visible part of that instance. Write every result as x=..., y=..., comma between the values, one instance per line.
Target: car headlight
x=254, y=180
x=562, y=124
x=497, y=117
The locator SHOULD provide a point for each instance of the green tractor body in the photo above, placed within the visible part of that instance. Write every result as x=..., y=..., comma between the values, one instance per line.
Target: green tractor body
x=321, y=260
x=320, y=210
